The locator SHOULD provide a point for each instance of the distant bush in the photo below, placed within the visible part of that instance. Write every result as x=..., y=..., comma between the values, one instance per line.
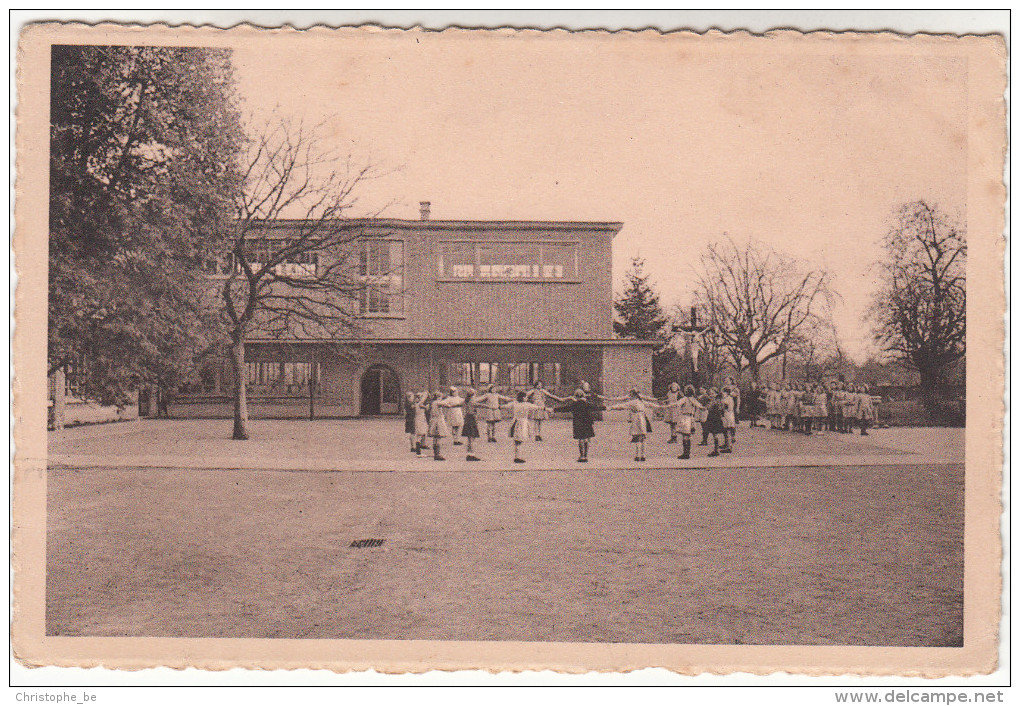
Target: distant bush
x=911, y=413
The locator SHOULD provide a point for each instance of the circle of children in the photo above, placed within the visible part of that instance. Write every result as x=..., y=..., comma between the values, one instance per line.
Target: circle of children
x=797, y=407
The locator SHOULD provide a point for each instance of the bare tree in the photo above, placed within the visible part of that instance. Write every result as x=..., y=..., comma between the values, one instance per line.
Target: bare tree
x=813, y=349
x=920, y=310
x=757, y=299
x=293, y=266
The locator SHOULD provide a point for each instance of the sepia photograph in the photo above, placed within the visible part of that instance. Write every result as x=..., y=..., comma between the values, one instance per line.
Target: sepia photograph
x=512, y=340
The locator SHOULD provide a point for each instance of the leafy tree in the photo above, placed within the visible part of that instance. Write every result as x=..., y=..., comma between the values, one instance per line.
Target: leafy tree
x=295, y=266
x=920, y=310
x=142, y=147
x=640, y=316
x=759, y=300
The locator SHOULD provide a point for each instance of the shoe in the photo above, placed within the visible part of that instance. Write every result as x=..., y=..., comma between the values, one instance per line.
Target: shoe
x=727, y=450
x=518, y=460
x=472, y=458
x=713, y=453
x=492, y=441
x=538, y=438
x=684, y=456
x=581, y=460
x=642, y=459
x=864, y=433
x=672, y=440
x=458, y=443
x=636, y=458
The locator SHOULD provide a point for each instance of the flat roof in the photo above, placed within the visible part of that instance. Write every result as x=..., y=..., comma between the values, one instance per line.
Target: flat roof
x=613, y=226
x=463, y=341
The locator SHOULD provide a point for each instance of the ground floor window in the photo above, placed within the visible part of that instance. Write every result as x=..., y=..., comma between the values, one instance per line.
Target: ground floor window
x=462, y=374
x=520, y=374
x=527, y=374
x=281, y=377
x=472, y=373
x=488, y=373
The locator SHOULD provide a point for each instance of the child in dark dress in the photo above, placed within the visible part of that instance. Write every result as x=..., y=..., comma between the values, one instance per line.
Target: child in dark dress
x=470, y=430
x=714, y=423
x=409, y=412
x=583, y=410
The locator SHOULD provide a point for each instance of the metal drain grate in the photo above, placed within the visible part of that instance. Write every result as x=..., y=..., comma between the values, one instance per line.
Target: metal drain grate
x=367, y=543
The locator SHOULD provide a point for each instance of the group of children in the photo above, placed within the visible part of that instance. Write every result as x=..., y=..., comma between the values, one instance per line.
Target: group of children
x=837, y=407
x=441, y=414
x=456, y=414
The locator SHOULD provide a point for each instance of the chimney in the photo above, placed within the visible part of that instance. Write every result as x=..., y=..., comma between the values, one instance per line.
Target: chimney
x=425, y=207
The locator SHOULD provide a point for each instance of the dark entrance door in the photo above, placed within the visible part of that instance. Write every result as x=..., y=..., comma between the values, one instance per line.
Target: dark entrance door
x=380, y=391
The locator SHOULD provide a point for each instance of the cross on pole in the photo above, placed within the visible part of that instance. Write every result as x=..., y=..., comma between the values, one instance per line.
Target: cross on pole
x=694, y=339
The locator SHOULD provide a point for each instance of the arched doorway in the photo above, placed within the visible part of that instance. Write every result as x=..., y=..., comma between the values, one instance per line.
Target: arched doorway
x=380, y=391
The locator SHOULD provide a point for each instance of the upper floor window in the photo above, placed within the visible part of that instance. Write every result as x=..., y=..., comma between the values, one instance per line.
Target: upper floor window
x=382, y=276
x=508, y=260
x=298, y=265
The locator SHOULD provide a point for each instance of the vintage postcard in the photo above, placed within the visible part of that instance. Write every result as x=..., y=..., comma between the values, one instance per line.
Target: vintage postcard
x=404, y=350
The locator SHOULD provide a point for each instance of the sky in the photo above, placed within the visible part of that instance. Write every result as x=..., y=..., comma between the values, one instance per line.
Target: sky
x=685, y=141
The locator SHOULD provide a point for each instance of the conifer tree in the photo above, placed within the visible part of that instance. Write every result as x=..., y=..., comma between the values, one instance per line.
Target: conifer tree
x=640, y=316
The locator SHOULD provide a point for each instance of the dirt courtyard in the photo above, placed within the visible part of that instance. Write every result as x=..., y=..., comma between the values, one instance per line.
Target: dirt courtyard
x=841, y=554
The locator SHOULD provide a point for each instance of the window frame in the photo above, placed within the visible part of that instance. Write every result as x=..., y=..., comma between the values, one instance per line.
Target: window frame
x=366, y=292
x=478, y=244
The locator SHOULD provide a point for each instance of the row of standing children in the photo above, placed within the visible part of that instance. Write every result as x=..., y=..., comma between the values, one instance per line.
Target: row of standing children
x=837, y=407
x=439, y=414
x=715, y=410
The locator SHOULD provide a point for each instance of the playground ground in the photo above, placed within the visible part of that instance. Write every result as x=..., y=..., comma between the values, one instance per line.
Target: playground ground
x=168, y=528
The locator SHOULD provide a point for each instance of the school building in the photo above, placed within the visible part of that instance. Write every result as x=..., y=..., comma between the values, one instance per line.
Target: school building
x=445, y=303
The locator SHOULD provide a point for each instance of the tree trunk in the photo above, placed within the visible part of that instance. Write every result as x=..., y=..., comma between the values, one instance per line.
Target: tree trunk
x=755, y=369
x=929, y=391
x=240, y=389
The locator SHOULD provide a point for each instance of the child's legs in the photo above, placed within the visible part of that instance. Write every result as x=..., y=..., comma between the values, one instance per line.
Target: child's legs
x=538, y=426
x=517, y=449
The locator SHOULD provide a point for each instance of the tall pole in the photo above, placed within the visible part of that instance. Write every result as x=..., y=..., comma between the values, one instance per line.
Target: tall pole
x=312, y=375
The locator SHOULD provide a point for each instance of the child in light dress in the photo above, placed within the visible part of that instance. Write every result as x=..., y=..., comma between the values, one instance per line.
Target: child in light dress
x=865, y=409
x=729, y=417
x=421, y=422
x=487, y=405
x=537, y=395
x=520, y=413
x=672, y=413
x=454, y=413
x=438, y=429
x=686, y=408
x=640, y=423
